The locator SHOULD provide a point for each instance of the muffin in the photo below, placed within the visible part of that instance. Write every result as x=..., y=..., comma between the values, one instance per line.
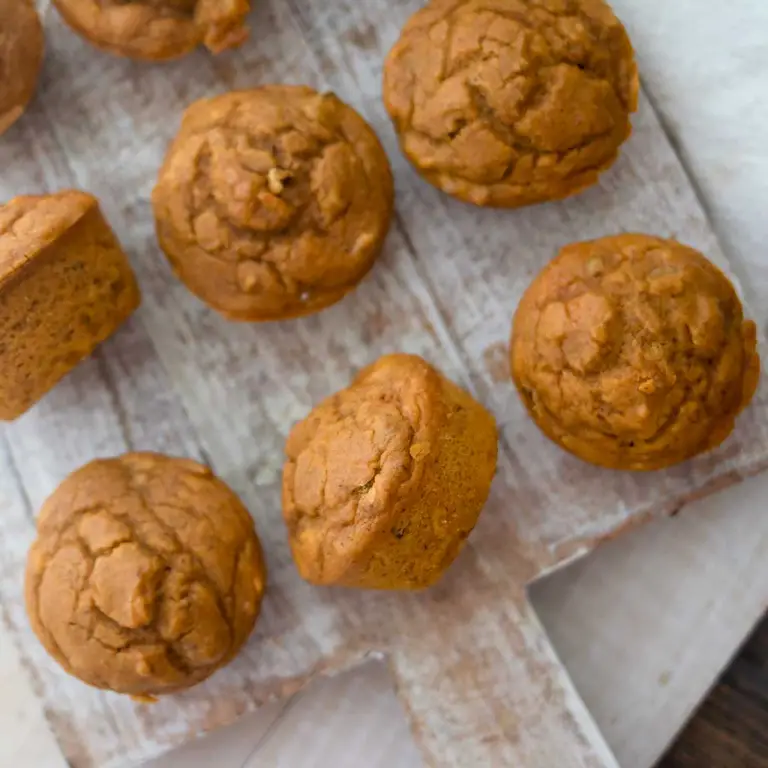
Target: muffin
x=21, y=57
x=386, y=479
x=511, y=102
x=160, y=29
x=65, y=286
x=273, y=203
x=632, y=352
x=146, y=575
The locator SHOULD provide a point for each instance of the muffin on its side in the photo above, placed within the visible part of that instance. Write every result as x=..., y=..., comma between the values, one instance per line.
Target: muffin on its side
x=146, y=576
x=273, y=203
x=65, y=286
x=386, y=479
x=512, y=102
x=157, y=30
x=21, y=58
x=632, y=352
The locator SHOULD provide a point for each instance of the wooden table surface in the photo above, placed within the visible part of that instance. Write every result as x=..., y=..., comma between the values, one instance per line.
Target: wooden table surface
x=731, y=728
x=703, y=62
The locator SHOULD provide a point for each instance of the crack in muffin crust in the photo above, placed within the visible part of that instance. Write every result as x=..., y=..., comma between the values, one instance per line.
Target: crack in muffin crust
x=511, y=102
x=146, y=575
x=632, y=352
x=273, y=203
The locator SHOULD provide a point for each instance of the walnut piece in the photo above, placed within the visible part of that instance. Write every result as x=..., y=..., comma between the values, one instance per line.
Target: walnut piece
x=157, y=30
x=21, y=58
x=386, y=479
x=632, y=352
x=273, y=203
x=146, y=576
x=511, y=102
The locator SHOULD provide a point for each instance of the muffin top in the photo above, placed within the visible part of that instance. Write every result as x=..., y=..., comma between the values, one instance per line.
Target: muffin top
x=158, y=29
x=632, y=352
x=511, y=102
x=21, y=57
x=355, y=458
x=385, y=480
x=146, y=575
x=273, y=202
x=30, y=222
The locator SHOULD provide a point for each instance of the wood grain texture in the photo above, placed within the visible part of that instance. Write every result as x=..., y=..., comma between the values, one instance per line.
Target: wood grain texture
x=647, y=622
x=180, y=380
x=731, y=728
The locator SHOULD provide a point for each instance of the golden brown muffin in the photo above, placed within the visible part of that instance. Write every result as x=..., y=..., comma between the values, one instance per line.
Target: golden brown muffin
x=65, y=286
x=157, y=30
x=273, y=203
x=632, y=352
x=21, y=57
x=511, y=102
x=386, y=479
x=146, y=575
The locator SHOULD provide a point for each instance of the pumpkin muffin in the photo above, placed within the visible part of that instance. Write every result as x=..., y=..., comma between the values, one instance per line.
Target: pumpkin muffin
x=146, y=576
x=157, y=30
x=273, y=203
x=21, y=58
x=386, y=479
x=511, y=102
x=65, y=286
x=632, y=352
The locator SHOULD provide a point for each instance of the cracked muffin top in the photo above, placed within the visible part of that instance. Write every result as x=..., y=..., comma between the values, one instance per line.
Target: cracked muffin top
x=146, y=575
x=273, y=203
x=385, y=480
x=21, y=57
x=632, y=352
x=512, y=102
x=157, y=30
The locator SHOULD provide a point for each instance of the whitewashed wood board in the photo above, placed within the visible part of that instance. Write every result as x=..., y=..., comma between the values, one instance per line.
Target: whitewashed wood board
x=472, y=664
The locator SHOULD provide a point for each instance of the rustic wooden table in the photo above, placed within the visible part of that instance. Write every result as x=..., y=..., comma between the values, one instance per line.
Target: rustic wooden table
x=698, y=57
x=731, y=728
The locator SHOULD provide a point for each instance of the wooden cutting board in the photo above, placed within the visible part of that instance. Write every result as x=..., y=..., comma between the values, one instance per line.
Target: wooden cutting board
x=473, y=666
